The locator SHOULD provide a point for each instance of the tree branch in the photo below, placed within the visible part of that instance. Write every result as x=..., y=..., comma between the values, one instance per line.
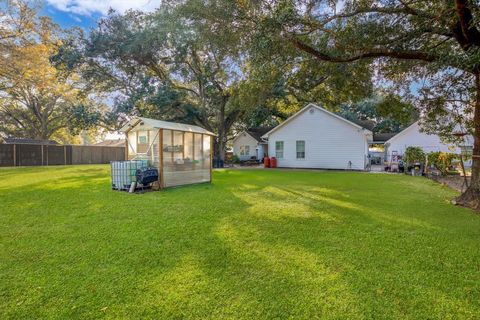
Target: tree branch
x=470, y=34
x=370, y=53
x=407, y=10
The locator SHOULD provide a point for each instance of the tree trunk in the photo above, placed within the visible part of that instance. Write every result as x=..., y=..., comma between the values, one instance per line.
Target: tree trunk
x=220, y=147
x=471, y=197
x=221, y=135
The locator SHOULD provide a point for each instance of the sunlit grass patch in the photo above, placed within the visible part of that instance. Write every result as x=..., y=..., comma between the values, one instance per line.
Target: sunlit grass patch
x=254, y=244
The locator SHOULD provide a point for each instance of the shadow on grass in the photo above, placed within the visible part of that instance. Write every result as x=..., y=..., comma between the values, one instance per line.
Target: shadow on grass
x=258, y=245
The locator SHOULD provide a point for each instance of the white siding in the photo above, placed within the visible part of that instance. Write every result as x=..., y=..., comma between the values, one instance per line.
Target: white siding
x=412, y=137
x=330, y=143
x=244, y=139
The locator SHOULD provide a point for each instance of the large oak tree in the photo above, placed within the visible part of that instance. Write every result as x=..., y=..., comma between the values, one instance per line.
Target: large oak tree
x=37, y=100
x=162, y=65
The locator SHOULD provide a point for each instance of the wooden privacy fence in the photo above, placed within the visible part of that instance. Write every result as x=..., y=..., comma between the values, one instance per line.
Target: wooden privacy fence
x=48, y=155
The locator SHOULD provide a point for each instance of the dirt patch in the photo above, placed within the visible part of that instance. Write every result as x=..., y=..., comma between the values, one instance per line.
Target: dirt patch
x=454, y=182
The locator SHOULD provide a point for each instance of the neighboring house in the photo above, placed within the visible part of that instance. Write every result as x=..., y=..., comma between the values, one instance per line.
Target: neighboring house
x=29, y=141
x=413, y=137
x=111, y=143
x=249, y=143
x=317, y=138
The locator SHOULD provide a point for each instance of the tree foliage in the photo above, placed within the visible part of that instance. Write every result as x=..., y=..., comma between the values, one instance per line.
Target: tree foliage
x=443, y=161
x=414, y=155
x=388, y=113
x=167, y=66
x=37, y=100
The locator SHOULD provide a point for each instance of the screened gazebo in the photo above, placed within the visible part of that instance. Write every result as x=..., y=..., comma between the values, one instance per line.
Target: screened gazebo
x=181, y=152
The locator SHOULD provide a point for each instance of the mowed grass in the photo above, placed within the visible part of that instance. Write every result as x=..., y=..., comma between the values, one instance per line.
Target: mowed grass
x=254, y=244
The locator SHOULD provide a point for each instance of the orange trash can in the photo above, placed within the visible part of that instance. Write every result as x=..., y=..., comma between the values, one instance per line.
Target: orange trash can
x=266, y=162
x=273, y=162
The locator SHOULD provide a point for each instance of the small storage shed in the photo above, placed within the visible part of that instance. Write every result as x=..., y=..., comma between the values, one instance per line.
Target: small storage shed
x=181, y=152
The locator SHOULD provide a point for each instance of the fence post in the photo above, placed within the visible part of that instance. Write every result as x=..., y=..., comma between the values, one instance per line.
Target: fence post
x=14, y=155
x=42, y=152
x=65, y=155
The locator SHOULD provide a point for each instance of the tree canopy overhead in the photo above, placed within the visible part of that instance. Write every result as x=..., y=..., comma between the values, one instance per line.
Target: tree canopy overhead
x=163, y=67
x=387, y=113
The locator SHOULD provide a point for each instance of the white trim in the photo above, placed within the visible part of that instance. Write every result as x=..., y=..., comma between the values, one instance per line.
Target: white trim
x=311, y=105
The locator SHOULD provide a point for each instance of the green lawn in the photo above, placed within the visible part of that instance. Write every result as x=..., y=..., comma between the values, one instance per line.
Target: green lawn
x=254, y=244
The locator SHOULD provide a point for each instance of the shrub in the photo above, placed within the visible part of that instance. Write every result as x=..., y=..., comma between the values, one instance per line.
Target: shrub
x=414, y=155
x=443, y=161
x=235, y=159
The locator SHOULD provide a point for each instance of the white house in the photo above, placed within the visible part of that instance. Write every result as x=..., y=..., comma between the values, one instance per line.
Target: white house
x=248, y=144
x=413, y=137
x=317, y=138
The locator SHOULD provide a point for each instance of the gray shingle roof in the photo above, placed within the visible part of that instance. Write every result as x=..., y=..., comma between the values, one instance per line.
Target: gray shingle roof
x=382, y=137
x=367, y=124
x=258, y=132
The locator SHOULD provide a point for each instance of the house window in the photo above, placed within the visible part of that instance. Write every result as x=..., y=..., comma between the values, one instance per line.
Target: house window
x=279, y=149
x=244, y=150
x=300, y=149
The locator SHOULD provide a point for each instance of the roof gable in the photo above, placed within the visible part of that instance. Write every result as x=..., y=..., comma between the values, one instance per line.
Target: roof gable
x=256, y=133
x=159, y=124
x=403, y=132
x=242, y=133
x=311, y=105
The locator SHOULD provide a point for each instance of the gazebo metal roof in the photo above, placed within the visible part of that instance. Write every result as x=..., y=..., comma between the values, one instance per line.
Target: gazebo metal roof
x=159, y=124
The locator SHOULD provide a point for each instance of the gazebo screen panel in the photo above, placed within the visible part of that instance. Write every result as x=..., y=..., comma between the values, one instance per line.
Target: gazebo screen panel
x=184, y=158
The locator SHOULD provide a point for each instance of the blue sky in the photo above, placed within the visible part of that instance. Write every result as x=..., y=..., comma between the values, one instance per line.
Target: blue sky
x=85, y=13
x=69, y=20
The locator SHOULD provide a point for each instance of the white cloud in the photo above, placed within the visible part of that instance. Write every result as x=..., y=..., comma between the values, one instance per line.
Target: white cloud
x=88, y=7
x=74, y=17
